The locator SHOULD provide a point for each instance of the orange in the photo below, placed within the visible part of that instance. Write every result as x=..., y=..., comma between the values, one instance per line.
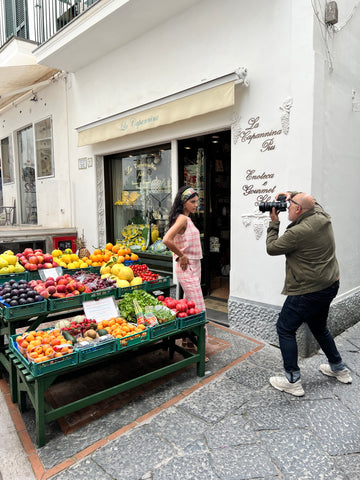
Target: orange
x=115, y=248
x=134, y=257
x=109, y=246
x=97, y=251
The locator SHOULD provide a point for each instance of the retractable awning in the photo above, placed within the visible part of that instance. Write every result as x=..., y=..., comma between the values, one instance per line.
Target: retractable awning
x=181, y=106
x=19, y=79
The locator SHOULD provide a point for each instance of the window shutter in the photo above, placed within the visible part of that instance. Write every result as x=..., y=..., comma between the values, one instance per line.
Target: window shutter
x=9, y=19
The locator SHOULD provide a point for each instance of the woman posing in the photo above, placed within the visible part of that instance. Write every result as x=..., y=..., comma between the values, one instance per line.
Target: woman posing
x=183, y=239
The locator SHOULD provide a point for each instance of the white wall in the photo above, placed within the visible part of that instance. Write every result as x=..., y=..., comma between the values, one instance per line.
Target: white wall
x=336, y=142
x=53, y=193
x=274, y=41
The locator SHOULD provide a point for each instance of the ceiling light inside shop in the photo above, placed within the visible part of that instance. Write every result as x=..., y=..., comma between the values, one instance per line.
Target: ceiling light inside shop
x=187, y=148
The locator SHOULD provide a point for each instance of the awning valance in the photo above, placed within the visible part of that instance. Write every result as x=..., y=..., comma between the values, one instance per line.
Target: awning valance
x=205, y=101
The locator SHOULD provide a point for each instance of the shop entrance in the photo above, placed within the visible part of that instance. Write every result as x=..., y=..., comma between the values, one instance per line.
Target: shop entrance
x=205, y=164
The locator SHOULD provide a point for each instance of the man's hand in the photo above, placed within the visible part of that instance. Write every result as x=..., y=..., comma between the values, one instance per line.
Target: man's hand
x=274, y=215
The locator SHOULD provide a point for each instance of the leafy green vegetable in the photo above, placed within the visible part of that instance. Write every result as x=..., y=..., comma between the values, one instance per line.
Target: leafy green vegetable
x=126, y=305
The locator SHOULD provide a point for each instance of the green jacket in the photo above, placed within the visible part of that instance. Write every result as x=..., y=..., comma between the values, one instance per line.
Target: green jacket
x=309, y=246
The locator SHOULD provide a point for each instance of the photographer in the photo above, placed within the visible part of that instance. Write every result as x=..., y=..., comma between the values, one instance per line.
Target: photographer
x=311, y=283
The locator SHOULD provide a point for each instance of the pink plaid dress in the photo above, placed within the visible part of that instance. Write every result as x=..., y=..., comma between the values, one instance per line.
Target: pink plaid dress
x=190, y=279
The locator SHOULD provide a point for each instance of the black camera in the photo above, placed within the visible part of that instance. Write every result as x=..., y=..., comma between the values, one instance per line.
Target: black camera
x=280, y=205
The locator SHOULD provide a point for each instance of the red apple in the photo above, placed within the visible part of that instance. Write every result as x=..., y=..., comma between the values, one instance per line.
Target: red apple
x=48, y=258
x=51, y=289
x=49, y=282
x=40, y=257
x=61, y=288
x=70, y=288
x=63, y=281
x=58, y=295
x=44, y=293
x=70, y=294
x=28, y=251
x=33, y=259
x=48, y=265
x=38, y=250
x=54, y=264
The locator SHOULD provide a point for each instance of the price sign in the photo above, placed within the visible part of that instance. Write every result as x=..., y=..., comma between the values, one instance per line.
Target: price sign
x=101, y=309
x=50, y=272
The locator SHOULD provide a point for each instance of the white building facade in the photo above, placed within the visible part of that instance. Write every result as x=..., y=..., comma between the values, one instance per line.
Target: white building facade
x=277, y=81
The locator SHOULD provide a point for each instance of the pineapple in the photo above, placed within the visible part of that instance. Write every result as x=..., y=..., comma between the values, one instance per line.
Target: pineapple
x=82, y=250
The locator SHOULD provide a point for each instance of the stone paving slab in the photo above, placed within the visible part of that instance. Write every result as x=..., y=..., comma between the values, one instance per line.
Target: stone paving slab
x=235, y=426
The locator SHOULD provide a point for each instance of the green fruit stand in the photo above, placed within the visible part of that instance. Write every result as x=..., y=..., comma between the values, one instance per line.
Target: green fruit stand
x=33, y=379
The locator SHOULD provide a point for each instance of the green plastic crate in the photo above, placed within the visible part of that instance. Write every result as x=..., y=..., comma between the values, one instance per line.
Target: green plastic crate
x=164, y=328
x=162, y=282
x=94, y=269
x=67, y=303
x=120, y=292
x=192, y=320
x=133, y=339
x=101, y=294
x=37, y=369
x=34, y=275
x=6, y=277
x=23, y=311
x=96, y=350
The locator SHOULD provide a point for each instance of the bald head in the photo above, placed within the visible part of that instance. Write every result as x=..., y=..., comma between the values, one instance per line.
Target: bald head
x=305, y=200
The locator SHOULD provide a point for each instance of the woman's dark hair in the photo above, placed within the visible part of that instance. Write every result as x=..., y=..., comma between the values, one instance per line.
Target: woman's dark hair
x=178, y=206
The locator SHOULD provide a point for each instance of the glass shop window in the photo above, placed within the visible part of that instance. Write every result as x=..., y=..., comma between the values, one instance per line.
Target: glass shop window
x=7, y=161
x=44, y=153
x=141, y=186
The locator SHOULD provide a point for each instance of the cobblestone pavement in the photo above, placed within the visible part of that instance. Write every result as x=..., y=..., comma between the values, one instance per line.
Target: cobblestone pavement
x=234, y=427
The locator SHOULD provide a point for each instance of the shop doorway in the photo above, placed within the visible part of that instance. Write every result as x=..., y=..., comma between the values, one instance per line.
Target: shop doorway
x=205, y=164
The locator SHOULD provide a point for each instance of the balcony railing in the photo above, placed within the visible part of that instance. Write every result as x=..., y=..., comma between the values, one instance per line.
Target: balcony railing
x=38, y=20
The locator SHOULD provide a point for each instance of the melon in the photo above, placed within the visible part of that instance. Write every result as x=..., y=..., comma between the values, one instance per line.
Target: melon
x=136, y=281
x=122, y=283
x=126, y=273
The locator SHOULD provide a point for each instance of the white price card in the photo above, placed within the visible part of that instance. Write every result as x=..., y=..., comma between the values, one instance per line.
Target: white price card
x=101, y=309
x=50, y=272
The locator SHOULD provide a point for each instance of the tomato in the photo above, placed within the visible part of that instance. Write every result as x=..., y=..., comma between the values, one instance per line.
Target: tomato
x=182, y=314
x=161, y=298
x=191, y=304
x=197, y=310
x=191, y=311
x=181, y=307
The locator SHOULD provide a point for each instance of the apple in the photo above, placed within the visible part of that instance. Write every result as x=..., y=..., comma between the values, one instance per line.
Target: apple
x=63, y=281
x=51, y=289
x=58, y=295
x=81, y=287
x=61, y=288
x=70, y=288
x=44, y=293
x=70, y=294
x=48, y=258
x=76, y=292
x=38, y=250
x=57, y=279
x=28, y=251
x=54, y=264
x=33, y=259
x=49, y=281
x=48, y=265
x=40, y=257
x=40, y=266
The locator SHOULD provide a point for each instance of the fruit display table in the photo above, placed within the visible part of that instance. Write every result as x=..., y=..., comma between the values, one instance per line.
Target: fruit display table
x=36, y=386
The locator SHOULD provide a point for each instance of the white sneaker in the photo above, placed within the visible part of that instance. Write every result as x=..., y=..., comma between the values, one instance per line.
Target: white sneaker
x=343, y=376
x=283, y=384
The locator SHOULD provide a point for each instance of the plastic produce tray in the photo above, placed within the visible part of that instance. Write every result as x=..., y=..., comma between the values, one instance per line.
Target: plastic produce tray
x=37, y=369
x=34, y=275
x=164, y=328
x=162, y=282
x=96, y=350
x=192, y=320
x=6, y=277
x=101, y=294
x=133, y=339
x=23, y=311
x=67, y=303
